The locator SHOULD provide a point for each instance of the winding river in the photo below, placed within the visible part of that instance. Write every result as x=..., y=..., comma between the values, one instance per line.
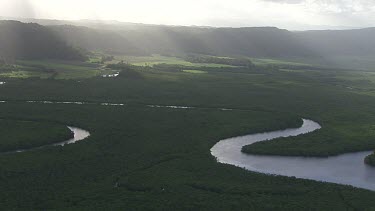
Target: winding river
x=79, y=134
x=347, y=169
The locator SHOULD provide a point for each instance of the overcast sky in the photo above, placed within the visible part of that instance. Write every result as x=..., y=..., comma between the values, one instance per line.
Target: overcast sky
x=289, y=14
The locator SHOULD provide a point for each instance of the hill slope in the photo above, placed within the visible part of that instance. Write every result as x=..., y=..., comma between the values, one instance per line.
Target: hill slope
x=32, y=41
x=357, y=42
x=140, y=39
x=96, y=40
x=251, y=41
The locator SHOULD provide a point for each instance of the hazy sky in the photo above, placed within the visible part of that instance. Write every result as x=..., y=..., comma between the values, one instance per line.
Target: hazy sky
x=290, y=14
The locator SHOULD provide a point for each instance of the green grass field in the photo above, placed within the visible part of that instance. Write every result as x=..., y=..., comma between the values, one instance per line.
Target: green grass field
x=54, y=69
x=81, y=70
x=158, y=59
x=194, y=71
x=25, y=74
x=267, y=61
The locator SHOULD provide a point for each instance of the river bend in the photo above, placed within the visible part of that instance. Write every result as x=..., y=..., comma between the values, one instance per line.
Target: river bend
x=348, y=169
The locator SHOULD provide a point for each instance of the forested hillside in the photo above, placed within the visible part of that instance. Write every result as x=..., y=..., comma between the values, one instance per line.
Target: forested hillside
x=97, y=40
x=256, y=42
x=251, y=41
x=35, y=41
x=358, y=42
x=27, y=41
x=32, y=41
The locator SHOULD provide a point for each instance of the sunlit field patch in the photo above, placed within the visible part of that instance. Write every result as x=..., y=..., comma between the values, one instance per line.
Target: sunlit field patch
x=25, y=74
x=158, y=59
x=194, y=71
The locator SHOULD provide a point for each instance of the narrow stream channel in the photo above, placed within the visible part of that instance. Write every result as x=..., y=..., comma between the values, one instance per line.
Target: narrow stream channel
x=79, y=134
x=347, y=169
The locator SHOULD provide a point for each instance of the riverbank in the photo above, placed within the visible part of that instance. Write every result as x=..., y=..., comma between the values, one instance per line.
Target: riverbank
x=347, y=169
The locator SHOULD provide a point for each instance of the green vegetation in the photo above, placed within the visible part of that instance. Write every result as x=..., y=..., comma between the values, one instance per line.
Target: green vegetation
x=370, y=159
x=276, y=62
x=32, y=41
x=159, y=158
x=24, y=74
x=108, y=172
x=351, y=49
x=242, y=62
x=145, y=156
x=144, y=40
x=326, y=142
x=343, y=49
x=158, y=59
x=194, y=71
x=127, y=70
x=56, y=69
x=15, y=134
x=100, y=58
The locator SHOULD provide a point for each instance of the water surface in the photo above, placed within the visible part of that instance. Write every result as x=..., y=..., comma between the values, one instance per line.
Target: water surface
x=348, y=169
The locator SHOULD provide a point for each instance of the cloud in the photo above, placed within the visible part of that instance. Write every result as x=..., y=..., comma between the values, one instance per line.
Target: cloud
x=334, y=6
x=286, y=1
x=290, y=14
x=17, y=8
